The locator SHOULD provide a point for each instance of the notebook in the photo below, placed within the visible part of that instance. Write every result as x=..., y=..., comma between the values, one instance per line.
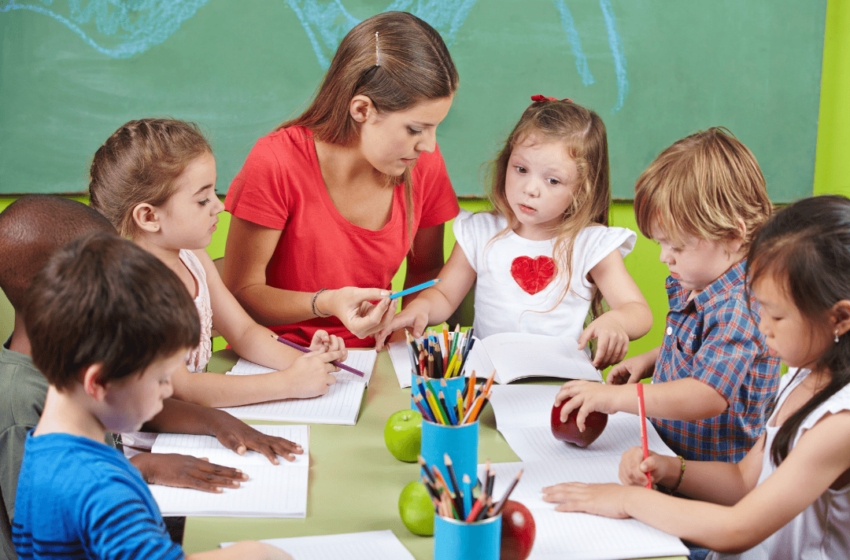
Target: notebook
x=373, y=545
x=523, y=417
x=579, y=536
x=513, y=356
x=271, y=490
x=340, y=405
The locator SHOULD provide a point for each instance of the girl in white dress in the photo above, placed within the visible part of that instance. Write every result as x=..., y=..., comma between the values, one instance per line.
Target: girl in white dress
x=545, y=254
x=789, y=498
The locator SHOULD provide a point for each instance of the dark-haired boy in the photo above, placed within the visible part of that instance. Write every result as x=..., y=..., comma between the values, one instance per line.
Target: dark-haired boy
x=108, y=325
x=31, y=229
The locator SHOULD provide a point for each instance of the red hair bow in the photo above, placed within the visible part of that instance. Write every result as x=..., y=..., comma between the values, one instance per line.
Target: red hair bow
x=544, y=98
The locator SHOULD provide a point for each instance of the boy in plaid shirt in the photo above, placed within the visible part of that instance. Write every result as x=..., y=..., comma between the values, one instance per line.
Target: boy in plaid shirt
x=713, y=380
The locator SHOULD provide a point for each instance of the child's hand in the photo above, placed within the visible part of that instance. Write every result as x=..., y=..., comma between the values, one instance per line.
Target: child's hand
x=239, y=437
x=599, y=499
x=633, y=467
x=354, y=308
x=587, y=397
x=612, y=341
x=323, y=342
x=184, y=471
x=310, y=375
x=632, y=370
x=415, y=316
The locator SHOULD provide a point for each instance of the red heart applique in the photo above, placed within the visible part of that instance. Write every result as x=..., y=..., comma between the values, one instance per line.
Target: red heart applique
x=533, y=275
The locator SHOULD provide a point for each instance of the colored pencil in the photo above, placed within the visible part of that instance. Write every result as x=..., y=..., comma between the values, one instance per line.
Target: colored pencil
x=417, y=400
x=428, y=472
x=467, y=495
x=338, y=364
x=497, y=509
x=643, y=438
x=414, y=289
x=448, y=409
x=453, y=480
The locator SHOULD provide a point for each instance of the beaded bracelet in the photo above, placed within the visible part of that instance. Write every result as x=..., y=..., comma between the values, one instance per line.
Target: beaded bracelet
x=313, y=304
x=681, y=477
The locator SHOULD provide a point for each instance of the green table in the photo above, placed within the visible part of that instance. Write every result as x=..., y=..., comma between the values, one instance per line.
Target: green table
x=354, y=481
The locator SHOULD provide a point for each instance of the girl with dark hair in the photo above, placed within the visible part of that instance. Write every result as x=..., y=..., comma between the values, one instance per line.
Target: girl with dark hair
x=327, y=207
x=789, y=498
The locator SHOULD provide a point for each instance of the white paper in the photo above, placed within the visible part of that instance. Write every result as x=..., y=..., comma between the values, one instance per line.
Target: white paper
x=578, y=535
x=523, y=416
x=340, y=405
x=361, y=360
x=373, y=545
x=513, y=356
x=270, y=491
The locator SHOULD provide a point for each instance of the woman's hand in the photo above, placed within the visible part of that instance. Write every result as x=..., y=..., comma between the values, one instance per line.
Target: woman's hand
x=612, y=340
x=355, y=308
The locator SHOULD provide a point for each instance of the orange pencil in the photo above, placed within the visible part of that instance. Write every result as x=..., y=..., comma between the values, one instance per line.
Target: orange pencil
x=489, y=382
x=643, y=439
x=470, y=391
x=446, y=354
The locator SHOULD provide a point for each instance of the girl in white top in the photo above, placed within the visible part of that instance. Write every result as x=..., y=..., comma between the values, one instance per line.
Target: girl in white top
x=789, y=498
x=545, y=254
x=154, y=179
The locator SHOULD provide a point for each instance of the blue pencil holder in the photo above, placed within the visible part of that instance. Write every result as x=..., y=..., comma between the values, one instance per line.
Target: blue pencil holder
x=456, y=540
x=460, y=442
x=449, y=387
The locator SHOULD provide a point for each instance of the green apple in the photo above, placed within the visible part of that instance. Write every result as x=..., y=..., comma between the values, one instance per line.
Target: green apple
x=403, y=435
x=417, y=509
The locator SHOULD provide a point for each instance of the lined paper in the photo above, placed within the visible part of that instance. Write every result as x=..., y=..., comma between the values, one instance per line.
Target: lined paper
x=271, y=490
x=373, y=545
x=513, y=356
x=523, y=416
x=340, y=405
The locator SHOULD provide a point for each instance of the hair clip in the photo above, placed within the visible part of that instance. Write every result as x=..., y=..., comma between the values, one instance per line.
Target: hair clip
x=544, y=98
x=377, y=51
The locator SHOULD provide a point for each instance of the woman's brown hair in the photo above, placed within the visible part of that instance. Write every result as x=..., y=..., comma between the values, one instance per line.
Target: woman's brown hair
x=582, y=133
x=396, y=60
x=139, y=164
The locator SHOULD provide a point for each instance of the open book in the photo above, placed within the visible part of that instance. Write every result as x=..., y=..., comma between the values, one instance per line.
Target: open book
x=270, y=491
x=513, y=356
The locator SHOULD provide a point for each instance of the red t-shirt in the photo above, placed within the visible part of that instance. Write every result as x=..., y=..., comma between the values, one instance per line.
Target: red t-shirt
x=281, y=187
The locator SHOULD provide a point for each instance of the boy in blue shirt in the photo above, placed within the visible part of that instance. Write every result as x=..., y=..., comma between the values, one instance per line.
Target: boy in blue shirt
x=108, y=325
x=703, y=199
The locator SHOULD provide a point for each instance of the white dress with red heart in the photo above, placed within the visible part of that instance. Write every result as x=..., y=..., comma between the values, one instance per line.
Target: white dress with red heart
x=517, y=283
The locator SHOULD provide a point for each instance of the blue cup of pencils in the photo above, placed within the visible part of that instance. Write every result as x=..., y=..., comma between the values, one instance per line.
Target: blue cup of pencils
x=459, y=443
x=459, y=540
x=452, y=390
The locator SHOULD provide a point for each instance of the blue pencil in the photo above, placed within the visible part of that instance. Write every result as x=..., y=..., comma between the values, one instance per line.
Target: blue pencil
x=415, y=289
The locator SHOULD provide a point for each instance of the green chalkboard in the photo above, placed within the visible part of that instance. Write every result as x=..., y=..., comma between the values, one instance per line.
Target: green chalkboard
x=72, y=71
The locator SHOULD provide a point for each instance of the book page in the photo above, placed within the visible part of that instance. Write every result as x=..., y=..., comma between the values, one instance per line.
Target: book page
x=373, y=545
x=340, y=405
x=362, y=360
x=519, y=355
x=270, y=491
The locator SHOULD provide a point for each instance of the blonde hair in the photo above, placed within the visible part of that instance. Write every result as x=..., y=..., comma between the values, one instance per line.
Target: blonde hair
x=139, y=164
x=583, y=135
x=703, y=186
x=397, y=61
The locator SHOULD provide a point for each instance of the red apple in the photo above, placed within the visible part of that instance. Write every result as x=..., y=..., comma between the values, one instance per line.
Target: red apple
x=568, y=431
x=518, y=531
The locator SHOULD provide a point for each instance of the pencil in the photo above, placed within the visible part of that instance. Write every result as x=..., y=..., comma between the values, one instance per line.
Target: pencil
x=338, y=364
x=446, y=341
x=643, y=439
x=415, y=289
x=417, y=400
x=440, y=415
x=497, y=509
x=424, y=465
x=453, y=479
x=467, y=495
x=449, y=411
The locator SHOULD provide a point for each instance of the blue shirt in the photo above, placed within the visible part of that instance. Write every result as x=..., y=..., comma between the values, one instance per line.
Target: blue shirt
x=78, y=498
x=714, y=338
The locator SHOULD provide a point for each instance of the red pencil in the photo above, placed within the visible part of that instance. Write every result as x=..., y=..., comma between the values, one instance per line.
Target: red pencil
x=643, y=439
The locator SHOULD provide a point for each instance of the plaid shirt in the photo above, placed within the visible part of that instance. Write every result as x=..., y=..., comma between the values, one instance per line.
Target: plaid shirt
x=714, y=338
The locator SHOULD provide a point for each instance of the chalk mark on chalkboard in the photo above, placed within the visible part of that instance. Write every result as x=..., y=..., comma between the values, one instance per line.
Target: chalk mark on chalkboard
x=617, y=51
x=575, y=42
x=137, y=26
x=326, y=23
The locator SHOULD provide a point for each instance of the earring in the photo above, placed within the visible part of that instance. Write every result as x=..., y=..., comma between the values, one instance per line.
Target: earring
x=836, y=337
